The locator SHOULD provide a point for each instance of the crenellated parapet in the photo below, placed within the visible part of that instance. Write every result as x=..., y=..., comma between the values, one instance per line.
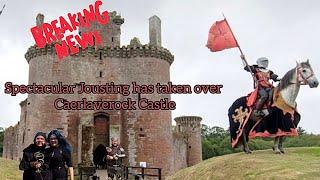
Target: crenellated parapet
x=116, y=18
x=129, y=51
x=188, y=122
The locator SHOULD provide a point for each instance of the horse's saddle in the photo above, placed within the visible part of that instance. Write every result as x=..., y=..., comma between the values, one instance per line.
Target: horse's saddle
x=275, y=100
x=253, y=96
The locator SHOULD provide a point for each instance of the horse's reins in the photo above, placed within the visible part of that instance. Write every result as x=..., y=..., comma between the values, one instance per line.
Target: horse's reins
x=300, y=78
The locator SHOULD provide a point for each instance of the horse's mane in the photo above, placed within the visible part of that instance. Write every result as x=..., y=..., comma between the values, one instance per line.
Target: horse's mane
x=285, y=81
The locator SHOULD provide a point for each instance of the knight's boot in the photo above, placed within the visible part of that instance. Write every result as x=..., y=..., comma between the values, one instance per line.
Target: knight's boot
x=266, y=112
x=258, y=111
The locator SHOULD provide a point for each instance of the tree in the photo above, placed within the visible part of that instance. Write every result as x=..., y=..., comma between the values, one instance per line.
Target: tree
x=205, y=131
x=301, y=131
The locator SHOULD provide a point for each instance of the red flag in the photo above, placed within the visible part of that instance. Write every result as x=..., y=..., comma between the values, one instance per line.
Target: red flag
x=221, y=37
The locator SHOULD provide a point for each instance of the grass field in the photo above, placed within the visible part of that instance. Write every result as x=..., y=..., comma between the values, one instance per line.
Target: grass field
x=9, y=170
x=297, y=163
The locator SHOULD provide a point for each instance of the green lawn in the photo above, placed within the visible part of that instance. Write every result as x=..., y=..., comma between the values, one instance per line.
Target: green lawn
x=297, y=163
x=9, y=170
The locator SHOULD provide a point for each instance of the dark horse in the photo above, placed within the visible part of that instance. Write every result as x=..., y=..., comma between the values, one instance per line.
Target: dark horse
x=282, y=118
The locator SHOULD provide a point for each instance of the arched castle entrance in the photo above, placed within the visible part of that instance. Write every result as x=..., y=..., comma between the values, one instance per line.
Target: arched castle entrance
x=101, y=123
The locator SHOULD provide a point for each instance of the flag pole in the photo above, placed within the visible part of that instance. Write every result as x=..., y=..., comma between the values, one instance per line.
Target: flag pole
x=2, y=9
x=242, y=55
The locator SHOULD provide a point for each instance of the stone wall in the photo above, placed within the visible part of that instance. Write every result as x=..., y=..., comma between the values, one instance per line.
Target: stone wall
x=146, y=135
x=180, y=148
x=10, y=144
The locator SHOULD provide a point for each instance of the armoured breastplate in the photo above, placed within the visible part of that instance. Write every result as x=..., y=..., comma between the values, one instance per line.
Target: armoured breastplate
x=263, y=76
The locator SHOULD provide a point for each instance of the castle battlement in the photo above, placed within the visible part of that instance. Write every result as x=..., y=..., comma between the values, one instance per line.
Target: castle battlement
x=188, y=121
x=129, y=51
x=146, y=63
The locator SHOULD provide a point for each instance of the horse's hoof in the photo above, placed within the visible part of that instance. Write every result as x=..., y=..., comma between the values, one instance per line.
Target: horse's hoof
x=277, y=152
x=248, y=151
x=281, y=150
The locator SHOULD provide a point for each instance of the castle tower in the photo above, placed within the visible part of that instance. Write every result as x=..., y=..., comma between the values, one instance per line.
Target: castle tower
x=190, y=128
x=155, y=31
x=40, y=114
x=35, y=109
x=110, y=33
x=146, y=135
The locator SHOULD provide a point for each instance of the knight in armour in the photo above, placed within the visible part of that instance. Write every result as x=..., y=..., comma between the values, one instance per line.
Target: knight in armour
x=264, y=87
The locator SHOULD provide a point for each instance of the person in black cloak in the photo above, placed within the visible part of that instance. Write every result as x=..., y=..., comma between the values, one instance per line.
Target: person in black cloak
x=60, y=156
x=98, y=156
x=34, y=162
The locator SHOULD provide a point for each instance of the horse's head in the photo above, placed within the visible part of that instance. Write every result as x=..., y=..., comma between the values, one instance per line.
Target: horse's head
x=306, y=75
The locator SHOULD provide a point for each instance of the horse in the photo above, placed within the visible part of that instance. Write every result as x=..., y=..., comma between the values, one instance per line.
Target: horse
x=281, y=118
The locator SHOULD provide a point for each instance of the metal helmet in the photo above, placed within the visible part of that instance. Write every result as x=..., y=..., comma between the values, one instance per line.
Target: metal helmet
x=263, y=62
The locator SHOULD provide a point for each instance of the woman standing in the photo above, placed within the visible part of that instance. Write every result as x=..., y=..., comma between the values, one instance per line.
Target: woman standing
x=34, y=162
x=60, y=156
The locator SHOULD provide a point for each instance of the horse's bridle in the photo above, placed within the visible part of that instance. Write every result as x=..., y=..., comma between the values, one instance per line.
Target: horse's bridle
x=300, y=79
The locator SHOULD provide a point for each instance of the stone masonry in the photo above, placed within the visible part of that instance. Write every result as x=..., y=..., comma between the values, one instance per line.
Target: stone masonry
x=146, y=135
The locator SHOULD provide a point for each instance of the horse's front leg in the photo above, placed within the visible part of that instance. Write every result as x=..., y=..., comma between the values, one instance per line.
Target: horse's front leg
x=281, y=139
x=276, y=145
x=246, y=148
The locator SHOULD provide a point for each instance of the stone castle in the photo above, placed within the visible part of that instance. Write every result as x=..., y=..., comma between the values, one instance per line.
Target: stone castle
x=146, y=135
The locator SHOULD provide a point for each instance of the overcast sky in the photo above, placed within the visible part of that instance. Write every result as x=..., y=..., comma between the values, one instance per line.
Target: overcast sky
x=285, y=32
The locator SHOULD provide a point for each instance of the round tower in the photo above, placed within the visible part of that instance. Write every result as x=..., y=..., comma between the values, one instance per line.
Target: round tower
x=190, y=128
x=46, y=69
x=146, y=135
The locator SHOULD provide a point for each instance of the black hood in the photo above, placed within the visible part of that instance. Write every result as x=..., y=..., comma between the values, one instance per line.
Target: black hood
x=39, y=134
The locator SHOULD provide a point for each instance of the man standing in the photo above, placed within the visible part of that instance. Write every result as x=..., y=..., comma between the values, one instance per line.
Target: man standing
x=34, y=161
x=115, y=154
